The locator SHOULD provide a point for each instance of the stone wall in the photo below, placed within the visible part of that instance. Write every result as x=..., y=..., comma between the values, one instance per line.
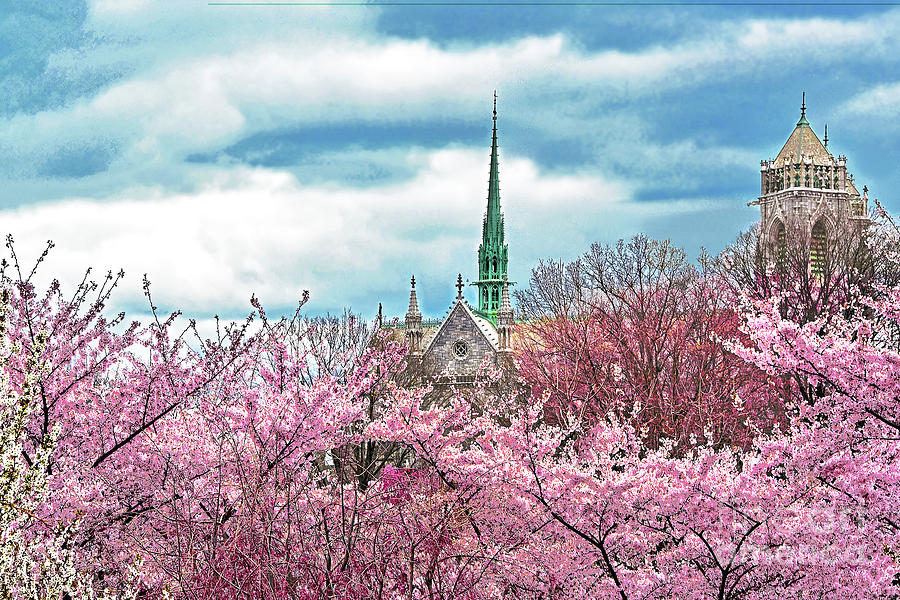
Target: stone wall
x=441, y=357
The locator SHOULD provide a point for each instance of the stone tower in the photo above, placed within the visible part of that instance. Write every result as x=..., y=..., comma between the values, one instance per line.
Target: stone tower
x=807, y=191
x=493, y=251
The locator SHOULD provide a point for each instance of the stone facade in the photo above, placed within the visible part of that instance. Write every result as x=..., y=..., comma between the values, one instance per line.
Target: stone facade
x=461, y=345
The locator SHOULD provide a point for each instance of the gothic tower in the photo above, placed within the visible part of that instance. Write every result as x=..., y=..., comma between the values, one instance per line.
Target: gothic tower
x=492, y=253
x=807, y=191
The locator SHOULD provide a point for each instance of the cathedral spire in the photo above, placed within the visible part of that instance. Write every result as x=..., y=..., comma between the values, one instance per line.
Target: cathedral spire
x=493, y=221
x=492, y=253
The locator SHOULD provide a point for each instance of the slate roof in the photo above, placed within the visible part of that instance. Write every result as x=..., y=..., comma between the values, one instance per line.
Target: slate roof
x=485, y=326
x=803, y=142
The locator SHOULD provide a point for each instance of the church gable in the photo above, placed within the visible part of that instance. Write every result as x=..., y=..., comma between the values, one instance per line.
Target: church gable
x=461, y=344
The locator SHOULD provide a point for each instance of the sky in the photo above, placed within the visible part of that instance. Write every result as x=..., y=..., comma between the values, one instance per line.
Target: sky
x=235, y=150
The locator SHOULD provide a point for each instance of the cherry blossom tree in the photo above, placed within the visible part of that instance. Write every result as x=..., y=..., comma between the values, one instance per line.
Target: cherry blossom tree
x=36, y=556
x=280, y=461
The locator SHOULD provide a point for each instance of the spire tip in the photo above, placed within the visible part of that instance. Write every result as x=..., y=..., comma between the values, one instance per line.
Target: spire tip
x=803, y=120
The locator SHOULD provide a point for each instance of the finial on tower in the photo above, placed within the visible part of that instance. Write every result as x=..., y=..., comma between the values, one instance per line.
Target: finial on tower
x=826, y=136
x=459, y=287
x=803, y=120
x=413, y=310
x=495, y=106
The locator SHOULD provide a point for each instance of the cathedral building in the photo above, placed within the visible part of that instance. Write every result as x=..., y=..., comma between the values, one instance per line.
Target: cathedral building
x=807, y=195
x=452, y=351
x=806, y=192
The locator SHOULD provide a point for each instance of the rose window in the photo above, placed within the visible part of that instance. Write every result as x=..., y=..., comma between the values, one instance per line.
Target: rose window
x=460, y=349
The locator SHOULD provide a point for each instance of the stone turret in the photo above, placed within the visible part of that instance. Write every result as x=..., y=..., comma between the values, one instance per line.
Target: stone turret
x=505, y=319
x=414, y=322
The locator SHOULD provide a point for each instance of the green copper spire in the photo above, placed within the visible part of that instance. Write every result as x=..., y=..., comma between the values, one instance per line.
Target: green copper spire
x=493, y=252
x=493, y=221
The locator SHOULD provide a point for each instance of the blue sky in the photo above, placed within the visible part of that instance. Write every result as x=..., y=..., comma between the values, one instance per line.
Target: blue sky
x=233, y=150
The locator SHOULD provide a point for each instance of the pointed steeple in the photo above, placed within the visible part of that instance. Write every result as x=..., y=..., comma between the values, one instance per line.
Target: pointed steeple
x=493, y=220
x=493, y=251
x=803, y=144
x=414, y=331
x=413, y=299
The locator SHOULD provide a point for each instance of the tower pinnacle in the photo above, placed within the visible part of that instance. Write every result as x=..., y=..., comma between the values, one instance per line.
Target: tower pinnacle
x=505, y=319
x=413, y=321
x=413, y=300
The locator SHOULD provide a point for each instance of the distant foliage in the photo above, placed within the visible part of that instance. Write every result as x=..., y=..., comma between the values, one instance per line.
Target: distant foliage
x=637, y=331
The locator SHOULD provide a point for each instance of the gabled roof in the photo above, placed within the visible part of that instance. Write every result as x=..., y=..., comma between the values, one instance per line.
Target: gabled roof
x=483, y=325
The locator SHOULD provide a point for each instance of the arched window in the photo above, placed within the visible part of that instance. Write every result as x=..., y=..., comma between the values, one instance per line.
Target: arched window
x=780, y=245
x=494, y=266
x=818, y=244
x=495, y=296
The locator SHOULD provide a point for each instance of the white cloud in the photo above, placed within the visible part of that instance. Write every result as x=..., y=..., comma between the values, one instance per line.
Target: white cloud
x=201, y=79
x=880, y=101
x=259, y=231
x=202, y=100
